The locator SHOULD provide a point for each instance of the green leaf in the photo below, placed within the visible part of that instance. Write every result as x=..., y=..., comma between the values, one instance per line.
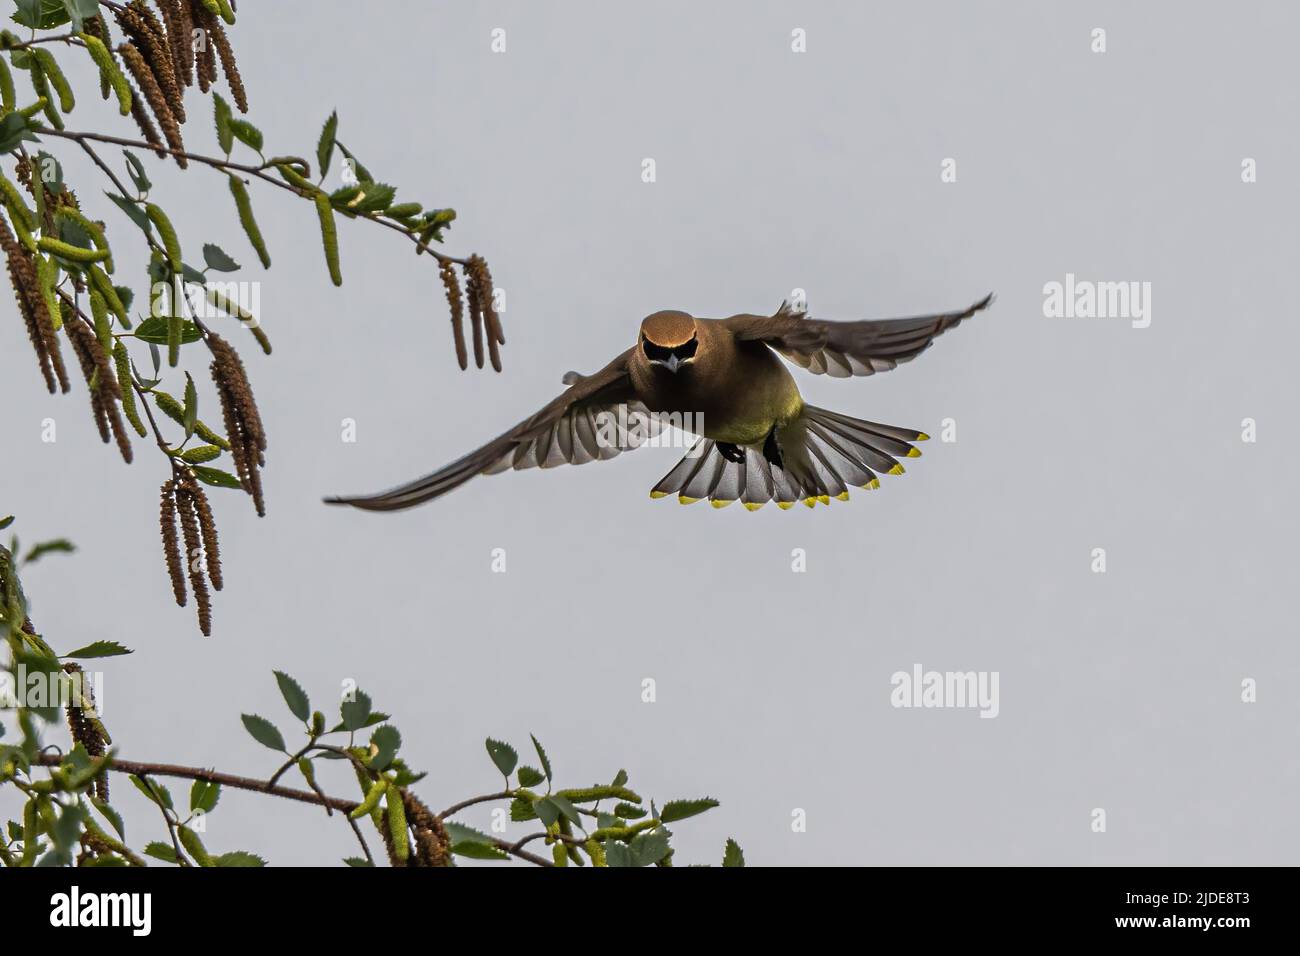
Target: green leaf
x=468, y=842
x=547, y=810
x=387, y=740
x=357, y=861
x=617, y=854
x=530, y=776
x=154, y=331
x=363, y=174
x=132, y=210
x=246, y=133
x=162, y=851
x=41, y=14
x=215, y=477
x=135, y=169
x=567, y=808
x=733, y=855
x=79, y=11
x=325, y=146
x=263, y=731
x=648, y=848
x=110, y=814
x=237, y=858
x=541, y=755
x=294, y=696
x=204, y=795
x=225, y=135
x=14, y=128
x=675, y=810
x=217, y=259
x=45, y=161
x=355, y=712
x=59, y=545
x=154, y=791
x=99, y=649
x=620, y=779
x=521, y=809
x=6, y=521
x=628, y=811
x=503, y=755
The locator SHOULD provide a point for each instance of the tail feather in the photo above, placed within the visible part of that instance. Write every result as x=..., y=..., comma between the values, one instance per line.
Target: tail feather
x=823, y=454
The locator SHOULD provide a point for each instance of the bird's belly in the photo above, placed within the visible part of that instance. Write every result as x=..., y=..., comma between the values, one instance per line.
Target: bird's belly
x=741, y=416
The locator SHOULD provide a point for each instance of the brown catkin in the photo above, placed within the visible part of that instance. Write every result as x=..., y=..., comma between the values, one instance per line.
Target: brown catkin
x=148, y=35
x=32, y=305
x=242, y=420
x=81, y=337
x=451, y=282
x=171, y=550
x=194, y=555
x=483, y=279
x=206, y=64
x=138, y=69
x=474, y=294
x=208, y=531
x=142, y=120
x=431, y=838
x=218, y=41
x=178, y=38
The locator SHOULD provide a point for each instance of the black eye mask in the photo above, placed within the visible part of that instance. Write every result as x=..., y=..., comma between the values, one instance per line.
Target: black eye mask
x=661, y=354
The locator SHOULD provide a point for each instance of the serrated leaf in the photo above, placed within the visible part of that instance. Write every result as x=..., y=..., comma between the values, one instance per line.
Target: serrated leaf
x=675, y=810
x=132, y=210
x=357, y=861
x=215, y=477
x=135, y=169
x=99, y=649
x=215, y=258
x=530, y=776
x=363, y=174
x=503, y=755
x=620, y=779
x=246, y=133
x=153, y=791
x=566, y=808
x=325, y=146
x=222, y=117
x=521, y=809
x=263, y=731
x=355, y=712
x=6, y=521
x=468, y=842
x=648, y=848
x=238, y=858
x=617, y=854
x=154, y=331
x=110, y=814
x=628, y=811
x=387, y=739
x=161, y=851
x=204, y=795
x=541, y=755
x=547, y=810
x=733, y=855
x=294, y=696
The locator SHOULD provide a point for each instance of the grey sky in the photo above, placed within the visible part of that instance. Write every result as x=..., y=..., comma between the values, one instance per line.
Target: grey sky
x=775, y=171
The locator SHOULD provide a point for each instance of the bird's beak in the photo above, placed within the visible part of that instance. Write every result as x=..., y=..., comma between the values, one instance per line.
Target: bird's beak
x=672, y=363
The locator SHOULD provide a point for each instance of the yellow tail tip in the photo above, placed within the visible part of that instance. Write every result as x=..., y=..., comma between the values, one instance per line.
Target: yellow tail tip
x=824, y=499
x=785, y=505
x=683, y=500
x=896, y=470
x=721, y=503
x=922, y=436
x=810, y=502
x=842, y=496
x=658, y=494
x=754, y=505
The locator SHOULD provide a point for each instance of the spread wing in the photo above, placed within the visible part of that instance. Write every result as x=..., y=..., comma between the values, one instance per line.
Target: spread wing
x=569, y=430
x=841, y=349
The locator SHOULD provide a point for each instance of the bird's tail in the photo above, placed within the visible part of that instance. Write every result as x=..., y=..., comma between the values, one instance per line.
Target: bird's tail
x=817, y=457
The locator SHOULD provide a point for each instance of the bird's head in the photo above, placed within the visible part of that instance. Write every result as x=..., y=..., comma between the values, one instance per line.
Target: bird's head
x=668, y=339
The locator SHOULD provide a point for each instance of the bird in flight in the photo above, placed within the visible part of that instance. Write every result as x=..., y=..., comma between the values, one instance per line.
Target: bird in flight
x=759, y=441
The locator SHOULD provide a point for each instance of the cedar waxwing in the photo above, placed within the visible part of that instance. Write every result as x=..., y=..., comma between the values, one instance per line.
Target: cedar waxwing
x=758, y=440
